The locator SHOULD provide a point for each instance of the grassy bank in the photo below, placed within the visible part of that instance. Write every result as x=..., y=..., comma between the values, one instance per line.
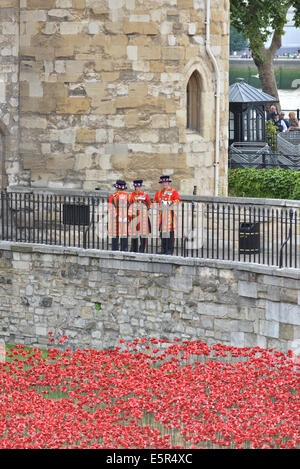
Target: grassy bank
x=284, y=76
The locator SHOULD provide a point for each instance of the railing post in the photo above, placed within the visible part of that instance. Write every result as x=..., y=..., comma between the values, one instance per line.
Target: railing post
x=287, y=239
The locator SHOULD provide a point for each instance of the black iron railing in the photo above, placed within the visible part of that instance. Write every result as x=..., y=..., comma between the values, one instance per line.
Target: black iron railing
x=296, y=111
x=248, y=230
x=248, y=159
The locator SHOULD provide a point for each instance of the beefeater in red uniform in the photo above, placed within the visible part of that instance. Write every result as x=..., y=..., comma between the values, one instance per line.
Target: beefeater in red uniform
x=167, y=198
x=118, y=216
x=139, y=225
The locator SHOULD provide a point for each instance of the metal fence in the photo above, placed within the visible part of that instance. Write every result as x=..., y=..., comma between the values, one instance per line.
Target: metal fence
x=280, y=151
x=263, y=161
x=248, y=230
x=296, y=111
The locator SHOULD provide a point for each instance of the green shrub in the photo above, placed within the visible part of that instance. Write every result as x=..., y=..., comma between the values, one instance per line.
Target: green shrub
x=264, y=183
x=296, y=190
x=271, y=132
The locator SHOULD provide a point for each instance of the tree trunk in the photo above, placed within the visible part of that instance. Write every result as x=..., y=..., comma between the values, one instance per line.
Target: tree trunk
x=264, y=62
x=268, y=81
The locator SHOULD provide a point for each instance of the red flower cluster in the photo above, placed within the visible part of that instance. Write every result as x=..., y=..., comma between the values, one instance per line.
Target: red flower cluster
x=150, y=394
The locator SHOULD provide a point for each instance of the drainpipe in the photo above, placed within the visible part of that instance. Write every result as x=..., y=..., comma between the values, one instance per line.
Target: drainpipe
x=217, y=96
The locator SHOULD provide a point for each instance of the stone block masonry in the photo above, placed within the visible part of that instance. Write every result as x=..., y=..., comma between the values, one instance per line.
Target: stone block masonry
x=95, y=90
x=9, y=92
x=98, y=297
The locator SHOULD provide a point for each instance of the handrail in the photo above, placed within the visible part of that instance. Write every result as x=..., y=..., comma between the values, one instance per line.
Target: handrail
x=184, y=197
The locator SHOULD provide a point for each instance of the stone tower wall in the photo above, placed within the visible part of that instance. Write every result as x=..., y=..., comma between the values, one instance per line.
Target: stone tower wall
x=9, y=92
x=103, y=92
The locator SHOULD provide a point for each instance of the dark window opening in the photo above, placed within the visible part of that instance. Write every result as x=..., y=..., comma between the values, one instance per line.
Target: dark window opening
x=193, y=102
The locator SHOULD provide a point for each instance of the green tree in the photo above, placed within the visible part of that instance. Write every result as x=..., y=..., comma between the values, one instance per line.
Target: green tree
x=258, y=20
x=237, y=40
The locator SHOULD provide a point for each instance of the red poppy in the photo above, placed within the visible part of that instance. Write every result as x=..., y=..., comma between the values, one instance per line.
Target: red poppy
x=179, y=395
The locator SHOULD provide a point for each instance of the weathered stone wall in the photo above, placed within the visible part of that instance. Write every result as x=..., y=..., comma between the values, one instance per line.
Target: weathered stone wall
x=9, y=91
x=103, y=92
x=56, y=289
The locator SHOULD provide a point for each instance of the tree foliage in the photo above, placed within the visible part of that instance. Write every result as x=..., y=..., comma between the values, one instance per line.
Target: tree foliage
x=237, y=40
x=257, y=19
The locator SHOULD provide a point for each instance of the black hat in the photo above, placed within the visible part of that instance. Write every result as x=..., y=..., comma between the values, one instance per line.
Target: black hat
x=120, y=184
x=138, y=183
x=165, y=179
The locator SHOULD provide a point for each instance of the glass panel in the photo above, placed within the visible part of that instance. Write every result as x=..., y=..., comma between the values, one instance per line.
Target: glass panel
x=251, y=125
x=231, y=125
x=245, y=127
x=259, y=127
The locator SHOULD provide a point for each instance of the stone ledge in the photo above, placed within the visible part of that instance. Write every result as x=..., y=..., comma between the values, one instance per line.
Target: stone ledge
x=150, y=258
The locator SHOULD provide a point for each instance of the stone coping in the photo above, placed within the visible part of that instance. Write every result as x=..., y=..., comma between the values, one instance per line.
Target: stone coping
x=196, y=198
x=150, y=258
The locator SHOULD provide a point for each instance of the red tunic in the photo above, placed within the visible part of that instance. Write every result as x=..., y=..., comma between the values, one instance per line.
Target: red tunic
x=139, y=205
x=167, y=199
x=118, y=209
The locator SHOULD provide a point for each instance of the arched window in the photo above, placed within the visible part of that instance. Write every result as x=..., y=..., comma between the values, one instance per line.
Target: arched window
x=193, y=102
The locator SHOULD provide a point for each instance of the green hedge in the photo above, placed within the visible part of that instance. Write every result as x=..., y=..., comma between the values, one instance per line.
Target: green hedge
x=266, y=183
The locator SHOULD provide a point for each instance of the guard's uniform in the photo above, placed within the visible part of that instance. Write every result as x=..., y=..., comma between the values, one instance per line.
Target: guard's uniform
x=167, y=199
x=139, y=225
x=118, y=216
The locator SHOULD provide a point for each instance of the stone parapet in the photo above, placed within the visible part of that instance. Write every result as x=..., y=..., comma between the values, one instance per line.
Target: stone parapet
x=98, y=297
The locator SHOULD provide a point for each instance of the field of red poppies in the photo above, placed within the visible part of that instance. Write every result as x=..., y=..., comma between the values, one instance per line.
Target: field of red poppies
x=149, y=394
